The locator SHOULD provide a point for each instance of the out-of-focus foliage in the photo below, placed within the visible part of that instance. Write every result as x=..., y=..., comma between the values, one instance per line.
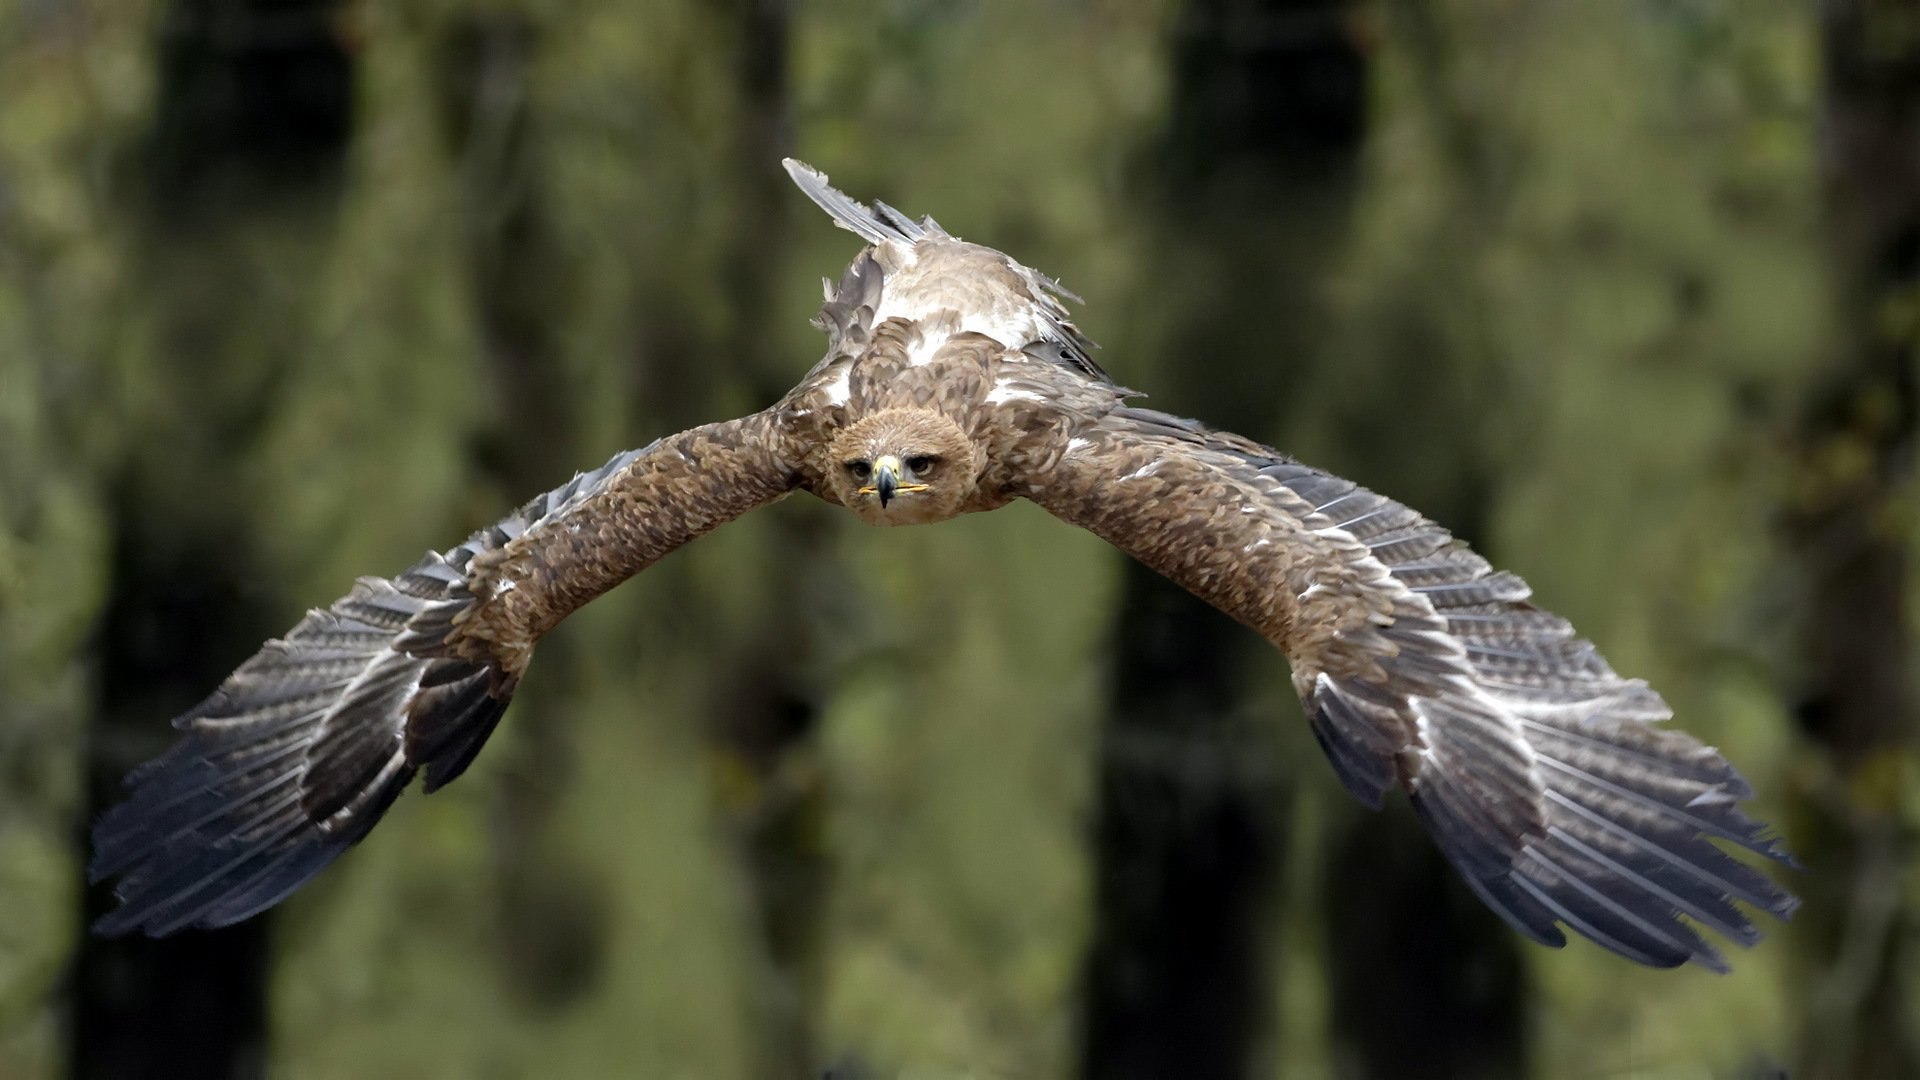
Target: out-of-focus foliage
x=1579, y=286
x=73, y=94
x=1603, y=228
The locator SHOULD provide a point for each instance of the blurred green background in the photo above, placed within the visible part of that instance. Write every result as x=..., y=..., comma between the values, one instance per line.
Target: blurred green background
x=1627, y=293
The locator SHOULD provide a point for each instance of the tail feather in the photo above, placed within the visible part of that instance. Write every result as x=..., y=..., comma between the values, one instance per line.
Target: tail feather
x=875, y=225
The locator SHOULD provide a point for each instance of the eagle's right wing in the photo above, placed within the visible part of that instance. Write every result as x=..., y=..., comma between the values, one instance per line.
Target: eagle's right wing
x=1543, y=775
x=303, y=748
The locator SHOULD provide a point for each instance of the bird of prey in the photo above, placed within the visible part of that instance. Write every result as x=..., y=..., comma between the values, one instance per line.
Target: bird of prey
x=954, y=382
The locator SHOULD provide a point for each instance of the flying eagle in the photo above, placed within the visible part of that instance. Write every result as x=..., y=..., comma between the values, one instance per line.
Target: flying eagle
x=954, y=382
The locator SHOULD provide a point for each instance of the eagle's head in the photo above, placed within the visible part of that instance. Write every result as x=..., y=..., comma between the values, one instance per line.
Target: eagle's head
x=903, y=467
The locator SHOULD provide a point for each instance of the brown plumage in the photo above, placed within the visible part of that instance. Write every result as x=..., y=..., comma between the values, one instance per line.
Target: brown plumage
x=954, y=382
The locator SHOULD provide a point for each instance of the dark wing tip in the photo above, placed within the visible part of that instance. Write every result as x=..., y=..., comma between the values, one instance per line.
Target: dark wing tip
x=1576, y=808
x=203, y=841
x=202, y=877
x=294, y=758
x=278, y=772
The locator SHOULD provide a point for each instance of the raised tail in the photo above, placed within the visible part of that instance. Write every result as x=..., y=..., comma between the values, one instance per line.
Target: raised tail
x=881, y=222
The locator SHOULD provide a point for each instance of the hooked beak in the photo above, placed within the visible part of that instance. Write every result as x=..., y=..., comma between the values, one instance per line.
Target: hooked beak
x=886, y=481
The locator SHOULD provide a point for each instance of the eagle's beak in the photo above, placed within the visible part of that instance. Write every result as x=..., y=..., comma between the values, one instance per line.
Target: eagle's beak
x=886, y=481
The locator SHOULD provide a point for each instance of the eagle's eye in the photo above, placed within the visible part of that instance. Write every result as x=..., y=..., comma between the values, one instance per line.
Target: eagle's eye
x=921, y=464
x=860, y=469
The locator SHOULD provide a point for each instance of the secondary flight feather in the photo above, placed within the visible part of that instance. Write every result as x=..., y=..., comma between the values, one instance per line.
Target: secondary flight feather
x=954, y=382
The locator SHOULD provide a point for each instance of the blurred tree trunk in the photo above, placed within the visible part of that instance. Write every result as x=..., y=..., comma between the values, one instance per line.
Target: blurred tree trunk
x=760, y=724
x=763, y=724
x=551, y=923
x=1850, y=530
x=1255, y=173
x=254, y=113
x=1426, y=981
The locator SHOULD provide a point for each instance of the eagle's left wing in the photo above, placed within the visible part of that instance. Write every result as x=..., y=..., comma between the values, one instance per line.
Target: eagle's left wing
x=1540, y=772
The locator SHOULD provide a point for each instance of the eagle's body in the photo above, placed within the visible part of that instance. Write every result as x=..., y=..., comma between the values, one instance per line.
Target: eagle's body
x=953, y=383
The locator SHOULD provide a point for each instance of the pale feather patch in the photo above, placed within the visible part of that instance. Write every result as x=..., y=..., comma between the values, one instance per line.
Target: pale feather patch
x=1014, y=329
x=1004, y=392
x=840, y=389
x=1012, y=321
x=924, y=349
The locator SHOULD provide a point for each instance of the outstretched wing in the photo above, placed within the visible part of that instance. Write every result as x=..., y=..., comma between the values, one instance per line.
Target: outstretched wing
x=301, y=749
x=1540, y=772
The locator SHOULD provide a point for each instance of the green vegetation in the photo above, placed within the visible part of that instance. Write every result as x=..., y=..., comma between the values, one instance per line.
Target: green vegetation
x=809, y=793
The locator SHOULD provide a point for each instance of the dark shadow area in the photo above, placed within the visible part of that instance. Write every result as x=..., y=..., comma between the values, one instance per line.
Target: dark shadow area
x=1426, y=982
x=255, y=97
x=1265, y=126
x=193, y=1004
x=1852, y=447
x=255, y=103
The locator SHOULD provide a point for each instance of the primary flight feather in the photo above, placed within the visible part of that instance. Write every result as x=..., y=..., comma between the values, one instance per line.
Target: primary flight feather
x=955, y=382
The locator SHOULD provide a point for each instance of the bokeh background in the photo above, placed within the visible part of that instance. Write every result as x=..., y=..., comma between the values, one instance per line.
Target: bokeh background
x=1626, y=292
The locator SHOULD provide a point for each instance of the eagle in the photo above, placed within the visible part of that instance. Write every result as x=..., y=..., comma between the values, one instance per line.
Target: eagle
x=954, y=382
